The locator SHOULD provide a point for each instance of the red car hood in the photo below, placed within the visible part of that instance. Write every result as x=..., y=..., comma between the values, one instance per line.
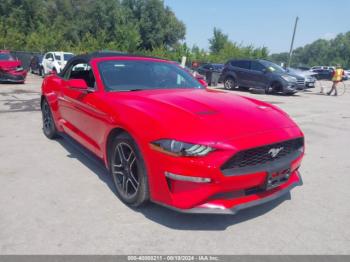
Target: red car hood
x=9, y=64
x=199, y=113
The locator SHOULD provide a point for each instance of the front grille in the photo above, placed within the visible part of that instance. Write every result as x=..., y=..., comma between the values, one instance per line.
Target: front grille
x=263, y=155
x=301, y=82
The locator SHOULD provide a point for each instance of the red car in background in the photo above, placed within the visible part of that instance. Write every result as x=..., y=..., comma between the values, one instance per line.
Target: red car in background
x=166, y=138
x=11, y=69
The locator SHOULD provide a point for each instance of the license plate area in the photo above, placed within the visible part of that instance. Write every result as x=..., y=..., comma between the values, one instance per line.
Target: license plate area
x=276, y=178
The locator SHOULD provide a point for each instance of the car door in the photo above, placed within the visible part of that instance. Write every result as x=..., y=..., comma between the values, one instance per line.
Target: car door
x=257, y=78
x=81, y=117
x=241, y=68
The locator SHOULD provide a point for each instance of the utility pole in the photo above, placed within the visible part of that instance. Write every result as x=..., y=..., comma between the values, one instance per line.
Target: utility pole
x=292, y=43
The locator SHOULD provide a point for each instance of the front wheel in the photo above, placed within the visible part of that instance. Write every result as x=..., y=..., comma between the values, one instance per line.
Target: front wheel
x=128, y=171
x=41, y=70
x=49, y=126
x=44, y=72
x=273, y=88
x=229, y=83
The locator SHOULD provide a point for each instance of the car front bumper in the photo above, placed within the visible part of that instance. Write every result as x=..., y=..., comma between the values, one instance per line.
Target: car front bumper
x=13, y=76
x=226, y=192
x=310, y=84
x=216, y=207
x=289, y=87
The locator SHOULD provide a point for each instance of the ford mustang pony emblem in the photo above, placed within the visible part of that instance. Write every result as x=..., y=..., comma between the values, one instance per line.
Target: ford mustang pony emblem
x=275, y=151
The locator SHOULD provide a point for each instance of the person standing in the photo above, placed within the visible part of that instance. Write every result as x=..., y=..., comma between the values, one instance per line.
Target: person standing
x=336, y=78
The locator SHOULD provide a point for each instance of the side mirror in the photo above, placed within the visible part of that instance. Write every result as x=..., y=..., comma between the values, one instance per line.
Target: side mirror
x=78, y=84
x=202, y=81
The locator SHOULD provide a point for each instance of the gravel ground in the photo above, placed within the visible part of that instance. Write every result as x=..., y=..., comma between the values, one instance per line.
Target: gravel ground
x=56, y=198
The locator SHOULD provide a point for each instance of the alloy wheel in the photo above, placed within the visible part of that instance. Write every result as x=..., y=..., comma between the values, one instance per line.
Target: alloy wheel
x=47, y=118
x=229, y=84
x=125, y=170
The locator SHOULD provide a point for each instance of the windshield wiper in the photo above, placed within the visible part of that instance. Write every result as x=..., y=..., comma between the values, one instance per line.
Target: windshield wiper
x=135, y=89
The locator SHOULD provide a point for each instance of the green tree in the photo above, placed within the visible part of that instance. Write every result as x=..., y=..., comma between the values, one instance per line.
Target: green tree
x=218, y=42
x=320, y=52
x=126, y=25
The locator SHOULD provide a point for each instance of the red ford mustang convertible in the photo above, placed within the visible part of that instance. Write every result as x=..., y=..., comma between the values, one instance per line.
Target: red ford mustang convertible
x=166, y=138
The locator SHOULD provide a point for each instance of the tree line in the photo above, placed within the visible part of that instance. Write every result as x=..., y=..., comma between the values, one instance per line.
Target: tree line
x=320, y=52
x=85, y=25
x=137, y=26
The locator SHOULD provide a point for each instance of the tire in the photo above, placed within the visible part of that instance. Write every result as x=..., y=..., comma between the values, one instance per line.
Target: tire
x=127, y=168
x=49, y=127
x=272, y=88
x=230, y=83
x=44, y=73
x=268, y=90
x=41, y=71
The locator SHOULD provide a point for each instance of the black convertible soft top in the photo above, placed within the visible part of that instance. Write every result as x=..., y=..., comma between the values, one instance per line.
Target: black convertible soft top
x=86, y=58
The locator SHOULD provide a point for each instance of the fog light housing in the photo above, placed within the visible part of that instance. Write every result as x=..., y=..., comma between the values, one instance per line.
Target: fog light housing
x=187, y=178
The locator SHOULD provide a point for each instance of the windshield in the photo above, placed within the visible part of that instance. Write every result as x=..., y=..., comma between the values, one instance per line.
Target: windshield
x=293, y=71
x=144, y=75
x=272, y=67
x=67, y=56
x=6, y=57
x=218, y=67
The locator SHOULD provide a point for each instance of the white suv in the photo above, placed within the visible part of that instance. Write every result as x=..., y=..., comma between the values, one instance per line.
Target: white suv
x=55, y=61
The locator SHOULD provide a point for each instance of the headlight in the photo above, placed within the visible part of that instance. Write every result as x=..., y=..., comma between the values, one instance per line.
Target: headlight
x=19, y=68
x=178, y=148
x=289, y=78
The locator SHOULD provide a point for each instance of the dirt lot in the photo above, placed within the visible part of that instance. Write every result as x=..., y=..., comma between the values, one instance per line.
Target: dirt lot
x=55, y=198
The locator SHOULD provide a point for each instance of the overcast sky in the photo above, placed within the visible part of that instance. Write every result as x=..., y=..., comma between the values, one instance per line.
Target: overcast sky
x=262, y=22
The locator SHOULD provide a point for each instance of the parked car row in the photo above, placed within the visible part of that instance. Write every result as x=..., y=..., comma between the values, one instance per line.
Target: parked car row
x=257, y=74
x=244, y=73
x=11, y=69
x=326, y=72
x=263, y=75
x=50, y=62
